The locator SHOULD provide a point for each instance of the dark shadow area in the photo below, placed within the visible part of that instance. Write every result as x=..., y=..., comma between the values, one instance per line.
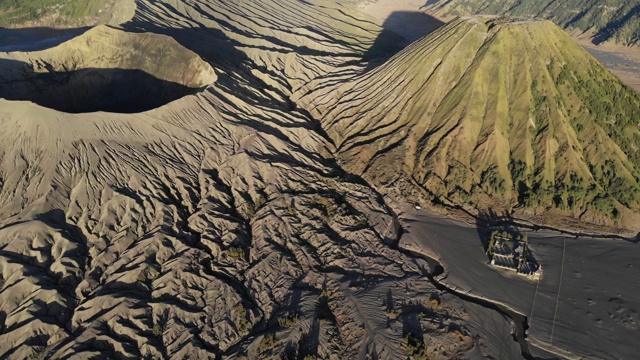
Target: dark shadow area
x=387, y=44
x=36, y=39
x=489, y=221
x=88, y=90
x=3, y=320
x=411, y=324
x=401, y=28
x=413, y=25
x=433, y=2
x=237, y=76
x=310, y=342
x=609, y=30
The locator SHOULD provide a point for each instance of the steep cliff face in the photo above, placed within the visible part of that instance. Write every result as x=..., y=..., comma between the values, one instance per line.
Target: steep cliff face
x=495, y=113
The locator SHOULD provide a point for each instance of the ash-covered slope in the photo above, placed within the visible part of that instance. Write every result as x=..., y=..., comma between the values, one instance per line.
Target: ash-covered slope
x=280, y=46
x=612, y=20
x=497, y=114
x=217, y=225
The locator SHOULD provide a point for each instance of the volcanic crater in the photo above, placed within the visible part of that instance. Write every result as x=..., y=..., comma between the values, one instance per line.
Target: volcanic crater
x=106, y=69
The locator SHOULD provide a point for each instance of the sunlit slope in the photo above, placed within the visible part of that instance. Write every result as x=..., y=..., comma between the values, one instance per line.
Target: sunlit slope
x=611, y=20
x=280, y=45
x=492, y=113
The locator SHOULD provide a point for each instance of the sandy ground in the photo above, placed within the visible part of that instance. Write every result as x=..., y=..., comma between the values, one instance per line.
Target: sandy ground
x=106, y=217
x=382, y=9
x=586, y=302
x=211, y=223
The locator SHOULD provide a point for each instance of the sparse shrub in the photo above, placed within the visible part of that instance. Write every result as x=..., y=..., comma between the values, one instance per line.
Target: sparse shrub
x=288, y=320
x=415, y=347
x=236, y=253
x=243, y=324
x=268, y=342
x=157, y=330
x=37, y=352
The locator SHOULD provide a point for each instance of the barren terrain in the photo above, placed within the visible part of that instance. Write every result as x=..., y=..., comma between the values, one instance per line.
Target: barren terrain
x=204, y=180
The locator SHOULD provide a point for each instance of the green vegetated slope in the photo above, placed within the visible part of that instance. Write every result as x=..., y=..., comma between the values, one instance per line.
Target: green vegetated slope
x=495, y=113
x=54, y=12
x=617, y=20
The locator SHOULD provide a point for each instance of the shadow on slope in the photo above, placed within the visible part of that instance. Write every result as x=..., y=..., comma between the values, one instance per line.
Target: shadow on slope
x=36, y=39
x=221, y=52
x=413, y=25
x=401, y=28
x=609, y=31
x=238, y=75
x=88, y=90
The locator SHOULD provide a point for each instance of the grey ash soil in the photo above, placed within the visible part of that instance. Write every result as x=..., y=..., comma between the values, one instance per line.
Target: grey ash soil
x=585, y=303
x=34, y=39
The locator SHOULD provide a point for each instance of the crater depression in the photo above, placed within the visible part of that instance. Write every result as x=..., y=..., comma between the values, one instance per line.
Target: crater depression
x=105, y=69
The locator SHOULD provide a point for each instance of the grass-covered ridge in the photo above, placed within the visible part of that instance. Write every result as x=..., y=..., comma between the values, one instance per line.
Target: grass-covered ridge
x=507, y=114
x=617, y=20
x=52, y=12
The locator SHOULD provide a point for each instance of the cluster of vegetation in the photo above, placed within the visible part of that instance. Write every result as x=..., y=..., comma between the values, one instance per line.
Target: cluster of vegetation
x=236, y=253
x=268, y=342
x=332, y=205
x=243, y=324
x=610, y=102
x=415, y=346
x=37, y=352
x=16, y=12
x=617, y=20
x=614, y=107
x=287, y=321
x=571, y=193
x=589, y=95
x=157, y=330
